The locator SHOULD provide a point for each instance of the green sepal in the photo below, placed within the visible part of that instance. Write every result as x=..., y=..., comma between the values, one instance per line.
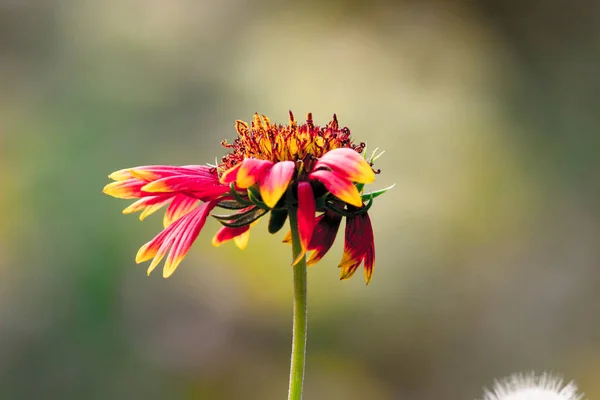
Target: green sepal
x=231, y=205
x=237, y=196
x=277, y=220
x=345, y=213
x=320, y=202
x=376, y=193
x=254, y=197
x=247, y=219
x=234, y=216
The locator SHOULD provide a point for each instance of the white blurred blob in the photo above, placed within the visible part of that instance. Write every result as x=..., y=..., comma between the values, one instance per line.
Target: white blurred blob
x=532, y=387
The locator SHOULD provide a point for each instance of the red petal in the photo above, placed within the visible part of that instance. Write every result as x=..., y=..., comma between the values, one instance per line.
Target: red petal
x=275, y=182
x=306, y=213
x=369, y=262
x=327, y=226
x=340, y=187
x=348, y=164
x=358, y=241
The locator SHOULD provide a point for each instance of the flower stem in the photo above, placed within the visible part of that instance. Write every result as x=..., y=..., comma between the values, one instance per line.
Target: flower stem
x=300, y=314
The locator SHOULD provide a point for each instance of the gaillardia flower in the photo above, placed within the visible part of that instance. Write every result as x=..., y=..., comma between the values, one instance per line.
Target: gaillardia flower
x=318, y=173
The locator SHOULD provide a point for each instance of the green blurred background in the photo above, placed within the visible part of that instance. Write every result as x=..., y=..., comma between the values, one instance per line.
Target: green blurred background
x=487, y=249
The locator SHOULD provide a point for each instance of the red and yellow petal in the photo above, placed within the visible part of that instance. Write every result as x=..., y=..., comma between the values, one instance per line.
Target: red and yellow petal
x=230, y=175
x=125, y=189
x=184, y=182
x=148, y=205
x=349, y=164
x=240, y=236
x=150, y=249
x=177, y=239
x=275, y=182
x=154, y=172
x=180, y=206
x=252, y=171
x=340, y=187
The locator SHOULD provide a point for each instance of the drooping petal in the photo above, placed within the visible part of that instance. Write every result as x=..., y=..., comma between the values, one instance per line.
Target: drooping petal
x=306, y=213
x=150, y=249
x=178, y=237
x=324, y=234
x=125, y=189
x=251, y=171
x=349, y=164
x=239, y=235
x=275, y=182
x=358, y=245
x=340, y=187
x=180, y=206
x=369, y=262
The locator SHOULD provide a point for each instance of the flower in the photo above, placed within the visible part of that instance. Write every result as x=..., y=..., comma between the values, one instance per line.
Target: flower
x=532, y=387
x=305, y=169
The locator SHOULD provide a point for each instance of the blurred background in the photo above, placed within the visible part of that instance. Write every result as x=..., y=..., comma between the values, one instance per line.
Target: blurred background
x=488, y=248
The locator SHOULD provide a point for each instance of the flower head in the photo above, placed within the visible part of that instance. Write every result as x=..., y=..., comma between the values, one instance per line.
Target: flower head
x=317, y=172
x=532, y=387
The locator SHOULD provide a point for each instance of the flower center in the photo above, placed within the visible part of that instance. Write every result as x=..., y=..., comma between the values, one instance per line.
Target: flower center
x=306, y=142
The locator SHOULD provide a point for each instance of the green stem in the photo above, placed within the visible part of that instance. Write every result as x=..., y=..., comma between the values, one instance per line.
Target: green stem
x=300, y=313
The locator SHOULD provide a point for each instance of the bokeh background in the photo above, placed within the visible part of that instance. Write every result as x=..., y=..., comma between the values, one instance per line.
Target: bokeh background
x=488, y=248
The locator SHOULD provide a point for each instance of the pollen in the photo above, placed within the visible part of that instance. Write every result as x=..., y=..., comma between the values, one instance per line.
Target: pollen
x=306, y=142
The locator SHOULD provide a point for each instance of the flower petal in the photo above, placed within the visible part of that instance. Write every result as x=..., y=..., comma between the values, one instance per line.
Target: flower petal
x=275, y=182
x=192, y=224
x=348, y=164
x=178, y=237
x=239, y=235
x=287, y=238
x=150, y=249
x=306, y=213
x=369, y=262
x=241, y=241
x=357, y=245
x=340, y=187
x=324, y=234
x=230, y=175
x=154, y=172
x=203, y=185
x=125, y=189
x=148, y=205
x=180, y=206
x=251, y=171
